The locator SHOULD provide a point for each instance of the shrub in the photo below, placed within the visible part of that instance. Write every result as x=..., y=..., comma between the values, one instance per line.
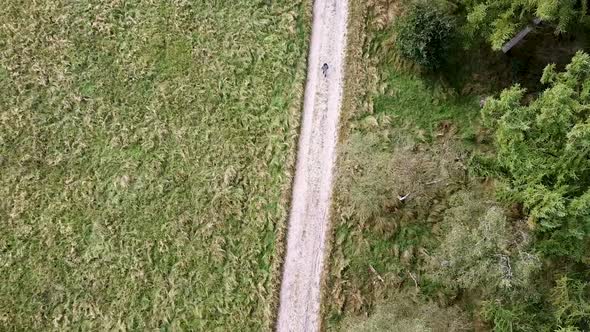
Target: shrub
x=564, y=309
x=481, y=251
x=424, y=34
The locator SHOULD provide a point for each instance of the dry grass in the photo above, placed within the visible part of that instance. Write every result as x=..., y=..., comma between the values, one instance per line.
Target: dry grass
x=406, y=314
x=145, y=151
x=378, y=239
x=399, y=136
x=357, y=86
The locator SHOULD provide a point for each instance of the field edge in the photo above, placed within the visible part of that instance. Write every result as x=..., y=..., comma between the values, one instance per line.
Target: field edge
x=357, y=84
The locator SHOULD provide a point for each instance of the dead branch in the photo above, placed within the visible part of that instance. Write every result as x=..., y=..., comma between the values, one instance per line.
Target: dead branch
x=412, y=276
x=377, y=274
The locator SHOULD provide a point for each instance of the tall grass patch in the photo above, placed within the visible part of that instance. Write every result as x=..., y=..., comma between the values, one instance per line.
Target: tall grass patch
x=145, y=152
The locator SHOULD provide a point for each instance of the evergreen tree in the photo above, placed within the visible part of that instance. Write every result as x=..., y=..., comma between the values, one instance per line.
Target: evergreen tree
x=543, y=152
x=500, y=20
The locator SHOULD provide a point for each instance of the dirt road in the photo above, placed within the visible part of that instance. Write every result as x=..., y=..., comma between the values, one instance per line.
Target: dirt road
x=312, y=189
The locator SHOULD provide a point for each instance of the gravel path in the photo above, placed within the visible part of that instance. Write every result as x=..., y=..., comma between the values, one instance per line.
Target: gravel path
x=312, y=190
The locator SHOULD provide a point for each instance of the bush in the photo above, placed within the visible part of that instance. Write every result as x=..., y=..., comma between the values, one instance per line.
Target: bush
x=424, y=35
x=481, y=251
x=564, y=308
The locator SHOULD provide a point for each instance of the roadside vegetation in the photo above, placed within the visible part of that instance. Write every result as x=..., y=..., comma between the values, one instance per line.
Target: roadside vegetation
x=145, y=158
x=462, y=200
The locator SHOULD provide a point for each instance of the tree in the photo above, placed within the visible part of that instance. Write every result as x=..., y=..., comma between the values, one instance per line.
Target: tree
x=571, y=307
x=564, y=308
x=500, y=20
x=481, y=252
x=424, y=33
x=543, y=152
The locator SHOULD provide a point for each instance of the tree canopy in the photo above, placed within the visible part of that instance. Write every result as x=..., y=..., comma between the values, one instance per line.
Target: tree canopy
x=543, y=151
x=424, y=34
x=499, y=20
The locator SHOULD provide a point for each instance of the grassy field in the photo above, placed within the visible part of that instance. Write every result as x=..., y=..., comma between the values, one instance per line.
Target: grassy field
x=404, y=135
x=145, y=157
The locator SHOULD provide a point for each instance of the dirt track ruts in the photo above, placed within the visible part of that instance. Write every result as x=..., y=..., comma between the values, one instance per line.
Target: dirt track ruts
x=299, y=306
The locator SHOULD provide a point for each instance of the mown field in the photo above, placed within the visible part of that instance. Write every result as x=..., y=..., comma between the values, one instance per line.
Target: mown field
x=145, y=157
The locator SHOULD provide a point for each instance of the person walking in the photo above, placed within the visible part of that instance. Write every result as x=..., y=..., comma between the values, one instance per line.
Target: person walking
x=325, y=70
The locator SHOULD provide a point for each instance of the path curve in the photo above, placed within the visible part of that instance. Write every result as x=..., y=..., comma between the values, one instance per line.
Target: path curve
x=299, y=306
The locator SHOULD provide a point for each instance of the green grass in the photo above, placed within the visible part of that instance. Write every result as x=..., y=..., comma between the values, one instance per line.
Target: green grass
x=414, y=129
x=145, y=154
x=417, y=104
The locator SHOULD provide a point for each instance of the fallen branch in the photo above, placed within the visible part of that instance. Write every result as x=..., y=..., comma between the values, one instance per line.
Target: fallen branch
x=377, y=274
x=412, y=276
x=520, y=36
x=402, y=198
